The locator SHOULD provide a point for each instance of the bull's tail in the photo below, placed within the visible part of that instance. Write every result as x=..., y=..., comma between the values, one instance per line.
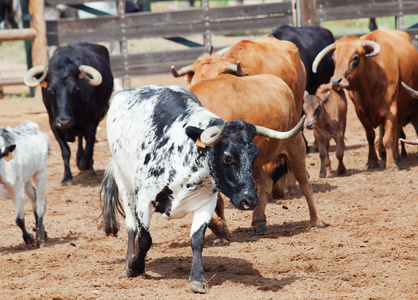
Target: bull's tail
x=110, y=201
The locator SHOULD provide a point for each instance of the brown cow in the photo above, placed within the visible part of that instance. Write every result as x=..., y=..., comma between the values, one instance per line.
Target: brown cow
x=264, y=56
x=326, y=114
x=381, y=101
x=264, y=100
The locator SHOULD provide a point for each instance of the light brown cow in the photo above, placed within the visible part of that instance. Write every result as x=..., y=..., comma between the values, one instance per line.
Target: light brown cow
x=374, y=66
x=326, y=115
x=264, y=100
x=264, y=56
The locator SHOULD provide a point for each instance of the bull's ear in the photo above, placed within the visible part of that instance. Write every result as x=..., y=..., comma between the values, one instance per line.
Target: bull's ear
x=6, y=151
x=325, y=97
x=193, y=132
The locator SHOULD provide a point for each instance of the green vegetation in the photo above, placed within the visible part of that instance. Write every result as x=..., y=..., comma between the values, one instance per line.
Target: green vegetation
x=12, y=52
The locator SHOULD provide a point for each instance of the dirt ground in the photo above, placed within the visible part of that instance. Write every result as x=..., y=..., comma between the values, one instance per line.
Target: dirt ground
x=368, y=251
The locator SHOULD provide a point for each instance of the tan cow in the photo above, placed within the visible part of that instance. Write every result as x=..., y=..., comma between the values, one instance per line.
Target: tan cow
x=374, y=66
x=264, y=56
x=326, y=115
x=264, y=100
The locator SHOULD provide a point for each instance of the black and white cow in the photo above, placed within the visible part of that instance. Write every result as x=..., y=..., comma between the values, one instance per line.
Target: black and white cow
x=157, y=166
x=77, y=85
x=23, y=156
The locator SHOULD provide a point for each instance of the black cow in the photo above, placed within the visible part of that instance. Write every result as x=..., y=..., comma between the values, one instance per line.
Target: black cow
x=77, y=85
x=310, y=40
x=10, y=14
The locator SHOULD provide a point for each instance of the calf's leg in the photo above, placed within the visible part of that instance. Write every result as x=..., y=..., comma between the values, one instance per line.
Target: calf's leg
x=38, y=202
x=20, y=216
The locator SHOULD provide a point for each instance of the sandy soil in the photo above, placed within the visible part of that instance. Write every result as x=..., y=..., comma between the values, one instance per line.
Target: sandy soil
x=368, y=251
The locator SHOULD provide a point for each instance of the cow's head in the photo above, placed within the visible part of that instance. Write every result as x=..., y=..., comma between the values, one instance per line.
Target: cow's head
x=233, y=155
x=349, y=58
x=313, y=108
x=61, y=82
x=208, y=66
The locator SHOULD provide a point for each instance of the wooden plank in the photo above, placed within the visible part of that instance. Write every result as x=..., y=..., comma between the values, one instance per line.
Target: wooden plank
x=359, y=3
x=27, y=34
x=11, y=79
x=367, y=11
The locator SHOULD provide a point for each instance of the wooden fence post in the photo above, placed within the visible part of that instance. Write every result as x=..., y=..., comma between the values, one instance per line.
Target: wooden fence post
x=39, y=45
x=306, y=12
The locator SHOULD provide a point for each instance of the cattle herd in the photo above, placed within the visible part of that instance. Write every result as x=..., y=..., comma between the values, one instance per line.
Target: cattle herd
x=238, y=124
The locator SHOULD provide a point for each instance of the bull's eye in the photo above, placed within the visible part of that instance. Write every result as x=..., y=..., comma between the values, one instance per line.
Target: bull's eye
x=51, y=91
x=355, y=62
x=228, y=159
x=318, y=110
x=76, y=90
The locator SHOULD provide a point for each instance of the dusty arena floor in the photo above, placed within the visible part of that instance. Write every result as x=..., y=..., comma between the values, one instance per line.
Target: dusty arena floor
x=368, y=251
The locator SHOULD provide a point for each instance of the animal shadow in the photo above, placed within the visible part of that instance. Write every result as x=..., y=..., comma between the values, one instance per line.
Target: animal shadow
x=87, y=178
x=217, y=271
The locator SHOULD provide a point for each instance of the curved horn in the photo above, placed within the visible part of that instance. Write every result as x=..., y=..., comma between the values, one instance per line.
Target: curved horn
x=269, y=133
x=374, y=45
x=183, y=71
x=413, y=93
x=235, y=69
x=412, y=142
x=321, y=55
x=91, y=75
x=31, y=80
x=213, y=135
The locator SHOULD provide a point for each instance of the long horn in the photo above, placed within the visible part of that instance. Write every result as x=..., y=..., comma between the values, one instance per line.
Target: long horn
x=213, y=135
x=183, y=71
x=374, y=45
x=30, y=76
x=91, y=75
x=412, y=142
x=321, y=55
x=235, y=69
x=269, y=133
x=413, y=93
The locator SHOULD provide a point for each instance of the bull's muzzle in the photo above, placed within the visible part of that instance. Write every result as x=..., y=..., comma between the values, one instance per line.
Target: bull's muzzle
x=336, y=83
x=63, y=123
x=245, y=202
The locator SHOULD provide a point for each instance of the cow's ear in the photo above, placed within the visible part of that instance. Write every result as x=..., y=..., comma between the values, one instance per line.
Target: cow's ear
x=325, y=97
x=6, y=152
x=193, y=132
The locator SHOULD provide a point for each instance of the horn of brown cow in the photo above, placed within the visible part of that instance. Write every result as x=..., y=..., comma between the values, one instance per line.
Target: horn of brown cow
x=235, y=69
x=183, y=71
x=321, y=55
x=91, y=75
x=269, y=133
x=213, y=135
x=412, y=142
x=30, y=76
x=374, y=45
x=413, y=93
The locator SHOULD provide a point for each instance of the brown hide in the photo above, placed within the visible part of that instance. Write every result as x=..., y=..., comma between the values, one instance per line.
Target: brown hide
x=326, y=114
x=264, y=100
x=380, y=100
x=265, y=56
x=251, y=99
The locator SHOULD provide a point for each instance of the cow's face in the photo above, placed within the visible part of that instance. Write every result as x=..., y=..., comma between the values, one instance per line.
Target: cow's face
x=313, y=109
x=205, y=67
x=62, y=87
x=233, y=163
x=348, y=58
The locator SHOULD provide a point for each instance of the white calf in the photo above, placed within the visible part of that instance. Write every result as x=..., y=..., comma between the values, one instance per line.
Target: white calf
x=23, y=155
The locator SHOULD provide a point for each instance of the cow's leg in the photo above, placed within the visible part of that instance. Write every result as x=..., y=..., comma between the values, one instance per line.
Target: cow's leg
x=20, y=215
x=339, y=153
x=297, y=162
x=201, y=219
x=264, y=185
x=86, y=161
x=218, y=224
x=388, y=142
x=80, y=152
x=65, y=153
x=372, y=161
x=380, y=148
x=135, y=265
x=38, y=202
x=323, y=154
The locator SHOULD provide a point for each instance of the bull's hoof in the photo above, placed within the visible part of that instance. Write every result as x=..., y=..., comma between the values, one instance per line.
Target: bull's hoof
x=67, y=182
x=131, y=273
x=392, y=170
x=221, y=242
x=259, y=226
x=317, y=223
x=341, y=170
x=40, y=244
x=201, y=287
x=322, y=175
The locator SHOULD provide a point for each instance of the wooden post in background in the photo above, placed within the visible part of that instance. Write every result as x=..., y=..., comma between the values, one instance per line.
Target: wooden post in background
x=306, y=12
x=39, y=44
